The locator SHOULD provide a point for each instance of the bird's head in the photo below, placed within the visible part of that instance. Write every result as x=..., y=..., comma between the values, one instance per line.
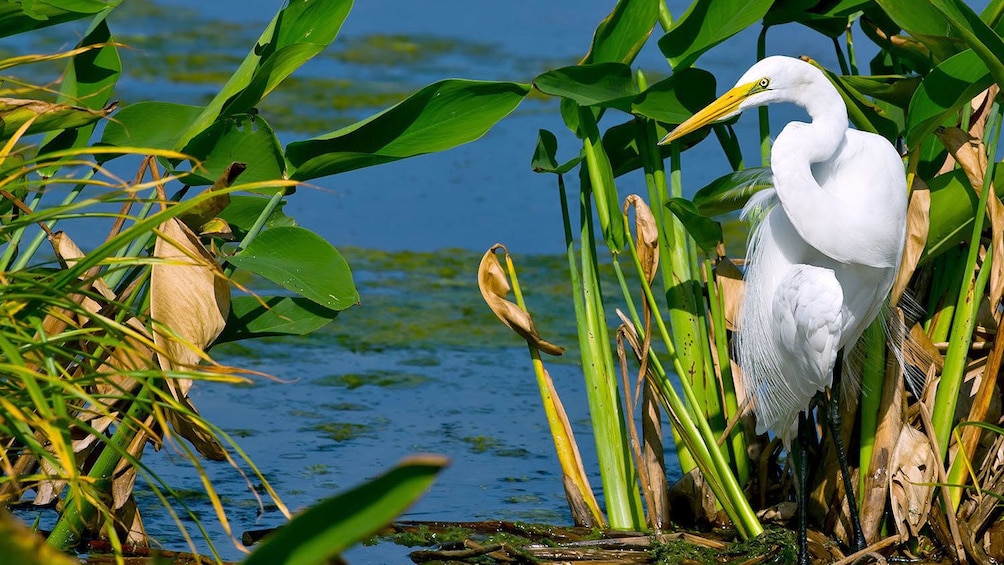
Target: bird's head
x=774, y=79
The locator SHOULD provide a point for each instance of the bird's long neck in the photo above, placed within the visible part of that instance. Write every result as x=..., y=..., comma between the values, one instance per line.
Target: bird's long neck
x=829, y=119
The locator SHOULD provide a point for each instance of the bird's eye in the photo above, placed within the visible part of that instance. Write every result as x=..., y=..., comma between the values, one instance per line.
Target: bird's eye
x=764, y=82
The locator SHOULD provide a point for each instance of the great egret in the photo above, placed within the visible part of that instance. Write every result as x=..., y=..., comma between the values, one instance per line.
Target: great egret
x=821, y=263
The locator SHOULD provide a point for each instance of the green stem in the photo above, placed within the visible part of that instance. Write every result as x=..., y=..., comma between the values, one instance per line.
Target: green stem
x=78, y=510
x=966, y=307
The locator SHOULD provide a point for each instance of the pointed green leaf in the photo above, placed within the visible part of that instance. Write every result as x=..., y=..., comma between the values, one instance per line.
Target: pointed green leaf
x=947, y=88
x=894, y=89
x=705, y=231
x=438, y=117
x=545, y=155
x=19, y=17
x=253, y=317
x=730, y=192
x=925, y=23
x=623, y=32
x=977, y=35
x=706, y=24
x=334, y=525
x=15, y=112
x=298, y=32
x=148, y=124
x=674, y=99
x=301, y=261
x=89, y=80
x=241, y=138
x=601, y=84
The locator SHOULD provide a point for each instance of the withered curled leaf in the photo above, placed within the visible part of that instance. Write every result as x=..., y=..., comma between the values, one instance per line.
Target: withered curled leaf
x=495, y=288
x=648, y=235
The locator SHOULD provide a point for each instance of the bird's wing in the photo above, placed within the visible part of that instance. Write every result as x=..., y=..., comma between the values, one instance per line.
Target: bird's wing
x=808, y=316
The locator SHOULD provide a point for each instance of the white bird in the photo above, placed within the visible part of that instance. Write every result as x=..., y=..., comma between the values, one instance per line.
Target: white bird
x=822, y=255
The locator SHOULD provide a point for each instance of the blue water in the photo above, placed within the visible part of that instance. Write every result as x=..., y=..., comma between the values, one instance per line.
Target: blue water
x=442, y=399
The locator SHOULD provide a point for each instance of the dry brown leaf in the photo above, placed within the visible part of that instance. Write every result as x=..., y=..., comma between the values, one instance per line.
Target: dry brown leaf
x=731, y=288
x=912, y=481
x=890, y=427
x=918, y=222
x=189, y=302
x=647, y=240
x=971, y=155
x=495, y=288
x=207, y=209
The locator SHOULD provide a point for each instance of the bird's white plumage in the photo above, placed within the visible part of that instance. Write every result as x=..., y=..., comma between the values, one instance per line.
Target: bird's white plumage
x=824, y=253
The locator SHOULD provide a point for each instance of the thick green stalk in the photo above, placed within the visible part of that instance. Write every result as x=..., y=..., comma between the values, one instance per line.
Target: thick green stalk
x=623, y=500
x=77, y=509
x=686, y=312
x=872, y=377
x=966, y=307
x=737, y=440
x=658, y=192
x=732, y=497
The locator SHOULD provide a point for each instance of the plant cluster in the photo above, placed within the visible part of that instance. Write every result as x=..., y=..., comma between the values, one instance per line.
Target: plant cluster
x=923, y=424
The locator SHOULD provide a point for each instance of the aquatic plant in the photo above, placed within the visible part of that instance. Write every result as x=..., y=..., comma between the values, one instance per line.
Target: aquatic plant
x=99, y=347
x=925, y=458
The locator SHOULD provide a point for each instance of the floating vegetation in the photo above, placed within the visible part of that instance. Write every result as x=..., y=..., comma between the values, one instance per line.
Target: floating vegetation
x=380, y=378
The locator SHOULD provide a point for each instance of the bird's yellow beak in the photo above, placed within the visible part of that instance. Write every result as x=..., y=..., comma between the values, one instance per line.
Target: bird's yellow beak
x=727, y=104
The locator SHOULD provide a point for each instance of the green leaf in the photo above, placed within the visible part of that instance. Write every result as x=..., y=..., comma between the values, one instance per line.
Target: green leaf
x=601, y=84
x=830, y=19
x=254, y=317
x=438, y=117
x=337, y=523
x=706, y=24
x=984, y=41
x=15, y=112
x=948, y=87
x=148, y=124
x=926, y=23
x=242, y=138
x=545, y=155
x=89, y=80
x=730, y=192
x=299, y=31
x=621, y=35
x=674, y=99
x=953, y=208
x=301, y=261
x=705, y=231
x=19, y=17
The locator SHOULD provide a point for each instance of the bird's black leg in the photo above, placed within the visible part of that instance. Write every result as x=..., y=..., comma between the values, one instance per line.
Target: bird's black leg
x=833, y=419
x=799, y=453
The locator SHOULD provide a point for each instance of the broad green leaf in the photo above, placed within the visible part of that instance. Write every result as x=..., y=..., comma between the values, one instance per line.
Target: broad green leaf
x=600, y=84
x=984, y=41
x=705, y=231
x=19, y=17
x=830, y=19
x=242, y=138
x=254, y=317
x=298, y=32
x=674, y=99
x=953, y=207
x=730, y=192
x=299, y=260
x=924, y=22
x=89, y=80
x=948, y=87
x=334, y=525
x=545, y=159
x=706, y=24
x=438, y=117
x=623, y=32
x=148, y=124
x=243, y=211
